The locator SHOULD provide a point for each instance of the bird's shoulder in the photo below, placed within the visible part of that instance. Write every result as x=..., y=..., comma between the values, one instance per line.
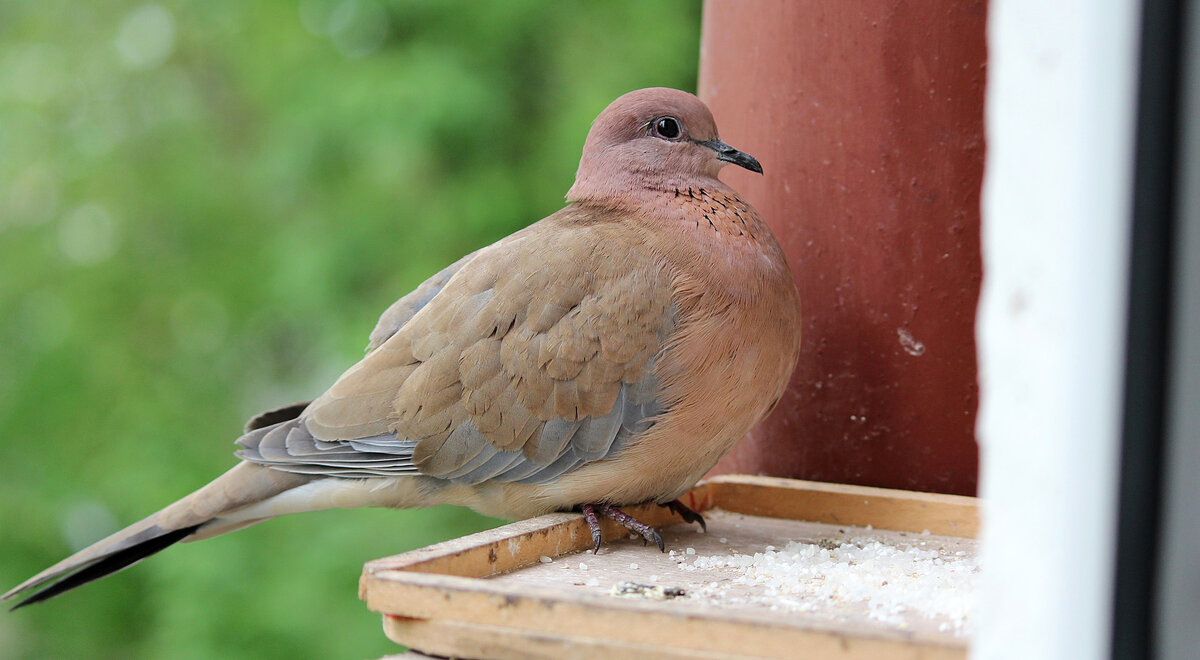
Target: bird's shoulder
x=577, y=235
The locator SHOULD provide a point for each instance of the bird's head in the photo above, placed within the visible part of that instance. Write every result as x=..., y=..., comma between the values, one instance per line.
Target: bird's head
x=652, y=139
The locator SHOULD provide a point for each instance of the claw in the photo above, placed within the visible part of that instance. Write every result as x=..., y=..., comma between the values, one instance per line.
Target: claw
x=689, y=516
x=632, y=524
x=589, y=514
x=627, y=521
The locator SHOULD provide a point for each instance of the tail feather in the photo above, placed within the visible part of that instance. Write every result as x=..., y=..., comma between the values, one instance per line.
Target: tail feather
x=106, y=565
x=210, y=511
x=128, y=539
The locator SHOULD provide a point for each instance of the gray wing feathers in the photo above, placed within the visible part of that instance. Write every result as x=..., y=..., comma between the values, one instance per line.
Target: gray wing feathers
x=596, y=438
x=466, y=446
x=595, y=435
x=500, y=463
x=553, y=440
x=467, y=457
x=289, y=447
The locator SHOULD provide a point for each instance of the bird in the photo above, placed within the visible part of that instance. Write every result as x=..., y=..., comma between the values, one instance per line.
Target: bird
x=605, y=356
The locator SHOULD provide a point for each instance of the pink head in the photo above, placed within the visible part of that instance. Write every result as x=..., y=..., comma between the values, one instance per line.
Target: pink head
x=652, y=139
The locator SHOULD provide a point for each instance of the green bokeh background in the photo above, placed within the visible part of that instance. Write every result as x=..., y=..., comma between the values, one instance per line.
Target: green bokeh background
x=203, y=208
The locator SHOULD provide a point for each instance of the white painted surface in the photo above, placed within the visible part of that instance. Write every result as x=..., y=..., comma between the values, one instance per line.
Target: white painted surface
x=1059, y=118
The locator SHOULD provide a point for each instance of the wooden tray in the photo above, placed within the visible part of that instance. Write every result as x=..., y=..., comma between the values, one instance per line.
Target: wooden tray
x=516, y=591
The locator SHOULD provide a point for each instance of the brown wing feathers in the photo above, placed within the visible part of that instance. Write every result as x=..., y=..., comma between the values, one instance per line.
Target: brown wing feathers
x=507, y=377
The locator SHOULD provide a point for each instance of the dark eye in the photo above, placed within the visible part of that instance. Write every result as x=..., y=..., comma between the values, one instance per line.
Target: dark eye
x=667, y=128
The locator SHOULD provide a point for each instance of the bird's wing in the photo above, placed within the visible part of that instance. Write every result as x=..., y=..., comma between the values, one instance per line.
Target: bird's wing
x=534, y=357
x=402, y=311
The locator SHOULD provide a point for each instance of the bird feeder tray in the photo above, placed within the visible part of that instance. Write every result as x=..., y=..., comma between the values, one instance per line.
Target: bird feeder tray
x=533, y=589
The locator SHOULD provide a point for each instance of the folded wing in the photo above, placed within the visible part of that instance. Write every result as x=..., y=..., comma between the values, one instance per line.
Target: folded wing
x=519, y=363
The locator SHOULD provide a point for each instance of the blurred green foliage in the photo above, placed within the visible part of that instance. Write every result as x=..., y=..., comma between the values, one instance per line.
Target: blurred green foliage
x=203, y=208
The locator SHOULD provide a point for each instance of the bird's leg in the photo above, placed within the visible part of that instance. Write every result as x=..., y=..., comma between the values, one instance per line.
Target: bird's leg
x=629, y=522
x=633, y=524
x=689, y=516
x=589, y=514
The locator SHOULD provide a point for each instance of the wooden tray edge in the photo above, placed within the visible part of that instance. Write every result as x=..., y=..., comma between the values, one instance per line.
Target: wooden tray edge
x=841, y=504
x=449, y=600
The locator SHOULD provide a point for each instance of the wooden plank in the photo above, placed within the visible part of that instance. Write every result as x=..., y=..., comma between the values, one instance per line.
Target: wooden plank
x=458, y=639
x=541, y=610
x=840, y=504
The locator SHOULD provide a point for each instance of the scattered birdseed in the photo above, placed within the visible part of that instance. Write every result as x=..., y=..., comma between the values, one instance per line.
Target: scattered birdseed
x=897, y=582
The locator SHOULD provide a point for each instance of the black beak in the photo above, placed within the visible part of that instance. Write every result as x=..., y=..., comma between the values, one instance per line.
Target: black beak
x=731, y=155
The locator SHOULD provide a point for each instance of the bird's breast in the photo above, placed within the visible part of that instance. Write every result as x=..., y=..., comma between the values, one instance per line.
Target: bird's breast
x=727, y=361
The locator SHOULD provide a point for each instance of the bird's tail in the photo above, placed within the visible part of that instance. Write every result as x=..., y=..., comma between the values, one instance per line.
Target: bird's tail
x=210, y=511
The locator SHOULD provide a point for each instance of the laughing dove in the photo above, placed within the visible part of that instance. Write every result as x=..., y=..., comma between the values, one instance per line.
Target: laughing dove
x=607, y=355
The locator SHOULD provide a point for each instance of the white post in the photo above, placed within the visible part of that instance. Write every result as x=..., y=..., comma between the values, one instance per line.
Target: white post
x=1060, y=116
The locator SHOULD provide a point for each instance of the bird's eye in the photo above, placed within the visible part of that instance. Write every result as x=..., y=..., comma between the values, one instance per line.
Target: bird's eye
x=667, y=128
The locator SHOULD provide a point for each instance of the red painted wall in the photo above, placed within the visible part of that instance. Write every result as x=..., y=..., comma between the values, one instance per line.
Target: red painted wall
x=868, y=119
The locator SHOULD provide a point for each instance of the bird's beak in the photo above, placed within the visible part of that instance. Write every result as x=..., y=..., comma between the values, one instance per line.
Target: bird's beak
x=731, y=155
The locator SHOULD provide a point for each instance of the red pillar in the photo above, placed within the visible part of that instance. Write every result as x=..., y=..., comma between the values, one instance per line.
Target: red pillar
x=868, y=119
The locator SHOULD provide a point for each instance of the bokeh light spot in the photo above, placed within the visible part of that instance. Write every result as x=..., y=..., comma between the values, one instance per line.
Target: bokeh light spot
x=146, y=37
x=86, y=522
x=88, y=235
x=358, y=27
